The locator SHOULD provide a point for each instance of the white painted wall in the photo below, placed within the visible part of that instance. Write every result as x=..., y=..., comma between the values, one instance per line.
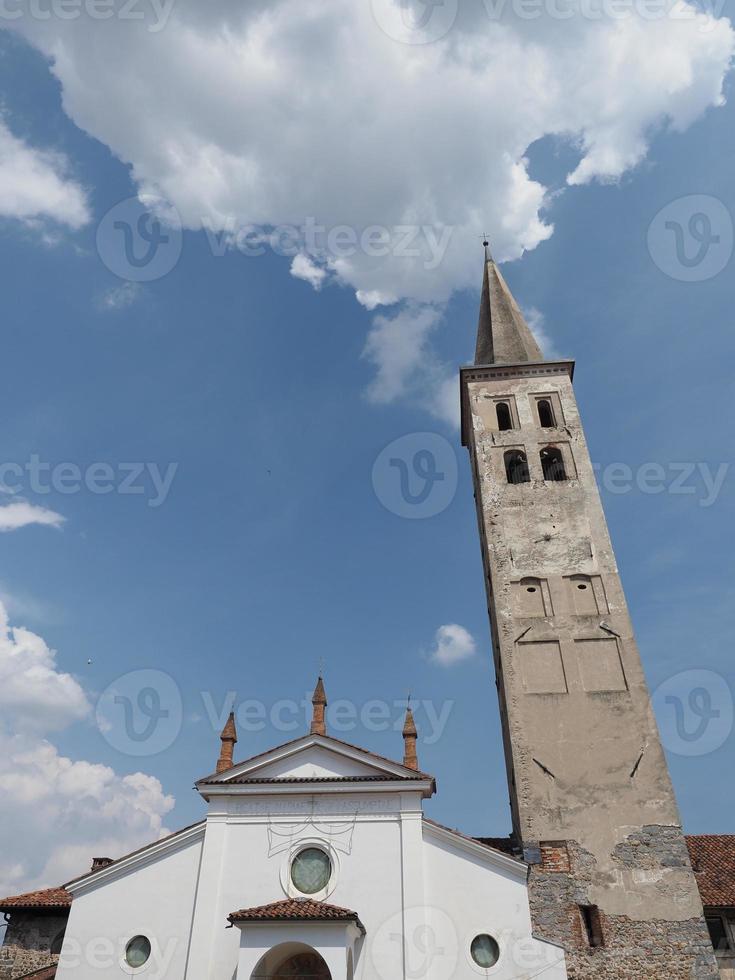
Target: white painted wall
x=469, y=895
x=155, y=900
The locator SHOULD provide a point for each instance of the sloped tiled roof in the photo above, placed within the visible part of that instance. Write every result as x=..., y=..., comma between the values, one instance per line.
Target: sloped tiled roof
x=713, y=860
x=406, y=774
x=47, y=973
x=296, y=910
x=45, y=898
x=246, y=780
x=503, y=844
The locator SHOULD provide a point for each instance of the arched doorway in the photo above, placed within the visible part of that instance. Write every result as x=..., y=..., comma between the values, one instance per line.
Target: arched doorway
x=303, y=966
x=292, y=961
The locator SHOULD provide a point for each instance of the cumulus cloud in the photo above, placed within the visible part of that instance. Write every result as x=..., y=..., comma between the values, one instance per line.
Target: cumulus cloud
x=20, y=514
x=59, y=812
x=305, y=268
x=35, y=186
x=311, y=112
x=452, y=645
x=34, y=695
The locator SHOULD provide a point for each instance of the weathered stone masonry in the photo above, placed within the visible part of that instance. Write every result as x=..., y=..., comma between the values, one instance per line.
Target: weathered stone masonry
x=591, y=799
x=30, y=936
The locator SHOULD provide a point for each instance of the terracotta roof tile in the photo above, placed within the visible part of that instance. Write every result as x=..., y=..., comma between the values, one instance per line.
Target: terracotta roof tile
x=244, y=780
x=713, y=860
x=46, y=898
x=328, y=738
x=296, y=910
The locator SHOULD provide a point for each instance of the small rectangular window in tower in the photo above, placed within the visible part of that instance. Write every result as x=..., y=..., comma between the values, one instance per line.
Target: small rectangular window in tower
x=499, y=412
x=516, y=467
x=592, y=925
x=552, y=463
x=718, y=932
x=548, y=410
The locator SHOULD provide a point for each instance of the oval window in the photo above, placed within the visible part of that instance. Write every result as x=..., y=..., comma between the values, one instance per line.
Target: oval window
x=137, y=951
x=311, y=870
x=485, y=951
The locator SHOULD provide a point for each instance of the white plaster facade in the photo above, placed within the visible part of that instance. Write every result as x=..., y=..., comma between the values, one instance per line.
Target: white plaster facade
x=422, y=892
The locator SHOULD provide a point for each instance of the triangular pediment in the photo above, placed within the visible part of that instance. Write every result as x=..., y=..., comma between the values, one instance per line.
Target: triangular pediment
x=317, y=758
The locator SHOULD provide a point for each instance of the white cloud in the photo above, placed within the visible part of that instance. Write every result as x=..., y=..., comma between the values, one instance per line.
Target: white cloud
x=35, y=186
x=452, y=645
x=119, y=297
x=304, y=268
x=308, y=109
x=34, y=695
x=406, y=366
x=298, y=108
x=22, y=514
x=59, y=812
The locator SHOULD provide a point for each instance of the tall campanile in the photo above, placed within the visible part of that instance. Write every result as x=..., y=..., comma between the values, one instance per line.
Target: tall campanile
x=591, y=798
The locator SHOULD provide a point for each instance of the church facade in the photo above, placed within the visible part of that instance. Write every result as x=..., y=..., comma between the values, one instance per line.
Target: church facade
x=315, y=859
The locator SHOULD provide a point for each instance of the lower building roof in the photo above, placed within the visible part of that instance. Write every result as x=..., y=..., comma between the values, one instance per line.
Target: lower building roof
x=713, y=860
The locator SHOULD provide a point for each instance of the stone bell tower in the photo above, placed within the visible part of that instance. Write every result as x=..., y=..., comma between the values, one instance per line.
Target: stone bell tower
x=591, y=798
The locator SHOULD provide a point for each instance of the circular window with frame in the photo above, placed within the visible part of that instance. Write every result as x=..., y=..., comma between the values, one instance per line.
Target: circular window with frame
x=484, y=951
x=311, y=870
x=137, y=952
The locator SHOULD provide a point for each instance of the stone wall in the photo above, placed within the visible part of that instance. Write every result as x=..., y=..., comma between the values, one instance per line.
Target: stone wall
x=27, y=944
x=634, y=949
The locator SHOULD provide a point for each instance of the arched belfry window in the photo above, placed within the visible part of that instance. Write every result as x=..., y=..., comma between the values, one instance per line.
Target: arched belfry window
x=516, y=467
x=545, y=413
x=505, y=420
x=552, y=463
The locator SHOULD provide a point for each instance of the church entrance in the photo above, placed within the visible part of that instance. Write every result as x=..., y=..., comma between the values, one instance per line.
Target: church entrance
x=302, y=966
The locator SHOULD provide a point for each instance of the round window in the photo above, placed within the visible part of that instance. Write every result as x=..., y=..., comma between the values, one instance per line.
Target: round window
x=485, y=951
x=137, y=951
x=311, y=870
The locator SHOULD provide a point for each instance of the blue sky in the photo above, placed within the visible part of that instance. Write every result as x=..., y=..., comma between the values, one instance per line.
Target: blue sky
x=272, y=551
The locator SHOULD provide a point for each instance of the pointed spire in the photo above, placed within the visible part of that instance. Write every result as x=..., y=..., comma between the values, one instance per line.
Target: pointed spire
x=503, y=336
x=319, y=702
x=410, y=734
x=228, y=739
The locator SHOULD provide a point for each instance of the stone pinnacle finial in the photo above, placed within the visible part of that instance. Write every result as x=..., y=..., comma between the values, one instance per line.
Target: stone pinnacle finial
x=503, y=336
x=228, y=739
x=319, y=702
x=410, y=734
